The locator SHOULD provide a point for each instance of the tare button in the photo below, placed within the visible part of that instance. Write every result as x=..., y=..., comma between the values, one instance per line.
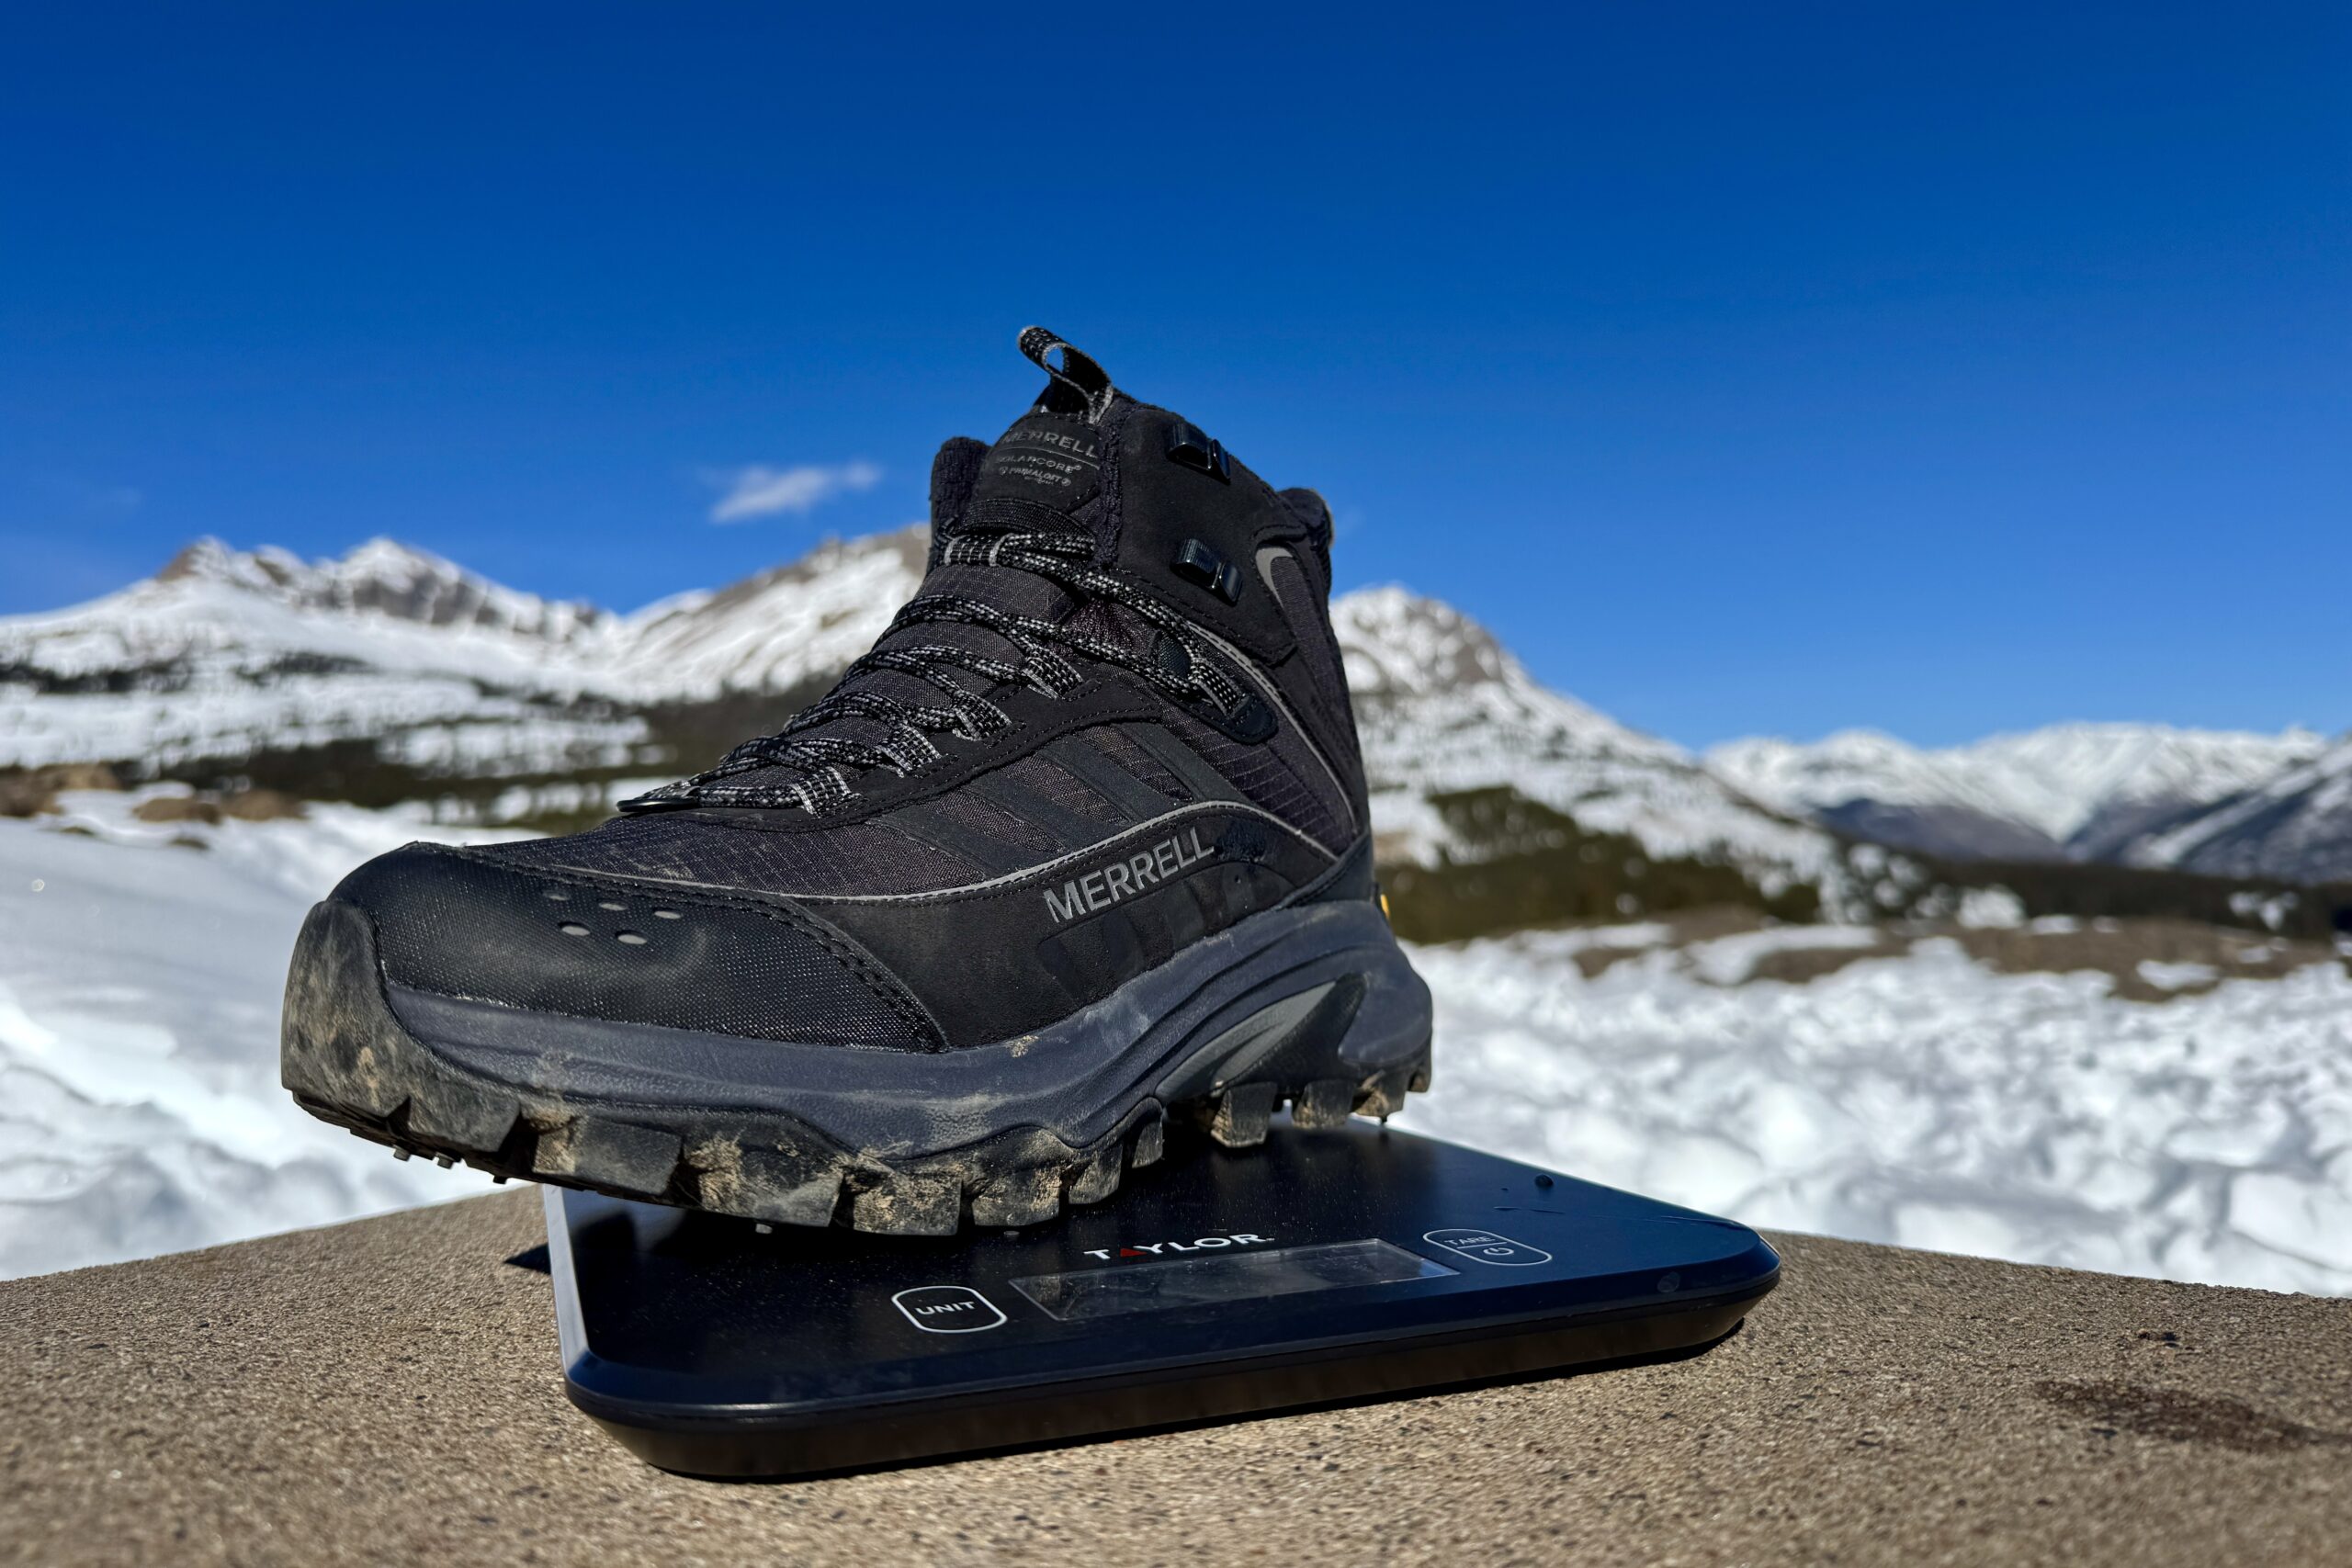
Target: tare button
x=1485, y=1247
x=947, y=1309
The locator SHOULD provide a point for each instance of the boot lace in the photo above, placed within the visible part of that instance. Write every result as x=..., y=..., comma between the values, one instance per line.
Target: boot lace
x=814, y=768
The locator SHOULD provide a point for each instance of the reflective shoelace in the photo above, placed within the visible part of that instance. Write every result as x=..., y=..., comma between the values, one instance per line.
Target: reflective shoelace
x=1175, y=663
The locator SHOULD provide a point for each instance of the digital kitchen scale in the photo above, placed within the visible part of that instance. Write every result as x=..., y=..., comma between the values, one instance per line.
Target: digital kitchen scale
x=1324, y=1265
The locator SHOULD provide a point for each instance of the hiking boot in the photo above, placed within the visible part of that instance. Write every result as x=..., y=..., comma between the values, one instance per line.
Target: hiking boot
x=1080, y=846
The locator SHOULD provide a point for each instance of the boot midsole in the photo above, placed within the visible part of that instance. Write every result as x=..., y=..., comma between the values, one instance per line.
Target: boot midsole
x=1076, y=1077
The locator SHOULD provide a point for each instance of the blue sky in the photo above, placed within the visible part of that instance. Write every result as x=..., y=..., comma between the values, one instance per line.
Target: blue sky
x=1749, y=369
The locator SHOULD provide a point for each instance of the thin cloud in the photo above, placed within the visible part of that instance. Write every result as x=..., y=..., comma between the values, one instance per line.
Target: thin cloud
x=758, y=491
x=84, y=499
x=118, y=501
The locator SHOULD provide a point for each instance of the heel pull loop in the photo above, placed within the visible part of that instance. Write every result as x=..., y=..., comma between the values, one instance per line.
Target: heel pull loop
x=1079, y=383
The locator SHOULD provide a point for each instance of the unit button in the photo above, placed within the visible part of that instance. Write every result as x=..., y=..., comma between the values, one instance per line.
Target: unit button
x=1485, y=1247
x=948, y=1309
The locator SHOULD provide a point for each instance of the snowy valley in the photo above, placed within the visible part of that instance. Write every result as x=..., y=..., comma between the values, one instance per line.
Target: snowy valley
x=2130, y=794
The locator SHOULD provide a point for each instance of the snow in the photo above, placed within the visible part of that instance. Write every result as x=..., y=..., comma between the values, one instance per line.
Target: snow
x=433, y=720
x=2167, y=976
x=1729, y=959
x=1397, y=643
x=1920, y=1099
x=140, y=1109
x=1923, y=1099
x=1991, y=908
x=2271, y=910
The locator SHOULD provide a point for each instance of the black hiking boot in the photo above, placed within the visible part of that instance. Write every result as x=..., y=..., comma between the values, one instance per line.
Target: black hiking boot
x=1079, y=846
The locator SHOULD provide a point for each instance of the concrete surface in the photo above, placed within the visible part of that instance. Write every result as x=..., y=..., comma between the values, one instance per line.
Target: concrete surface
x=386, y=1391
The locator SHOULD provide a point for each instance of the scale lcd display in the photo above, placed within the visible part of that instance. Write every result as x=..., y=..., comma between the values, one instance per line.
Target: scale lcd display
x=1117, y=1290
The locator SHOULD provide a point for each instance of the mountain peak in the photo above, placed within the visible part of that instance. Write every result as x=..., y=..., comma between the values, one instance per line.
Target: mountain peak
x=791, y=624
x=1398, y=643
x=901, y=553
x=381, y=577
x=207, y=559
x=387, y=559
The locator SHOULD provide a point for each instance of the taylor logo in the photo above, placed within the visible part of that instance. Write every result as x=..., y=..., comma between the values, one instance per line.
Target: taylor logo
x=1101, y=888
x=1171, y=1249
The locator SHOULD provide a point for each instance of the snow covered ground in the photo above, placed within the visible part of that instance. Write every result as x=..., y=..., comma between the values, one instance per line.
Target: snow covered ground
x=1922, y=1099
x=140, y=1109
x=1915, y=1097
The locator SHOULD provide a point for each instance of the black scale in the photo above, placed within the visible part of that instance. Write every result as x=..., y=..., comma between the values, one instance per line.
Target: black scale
x=1322, y=1266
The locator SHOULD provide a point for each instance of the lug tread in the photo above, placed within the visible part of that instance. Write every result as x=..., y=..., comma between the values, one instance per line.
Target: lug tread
x=1151, y=1143
x=1239, y=1117
x=898, y=1204
x=1019, y=1198
x=1326, y=1102
x=792, y=1187
x=1098, y=1177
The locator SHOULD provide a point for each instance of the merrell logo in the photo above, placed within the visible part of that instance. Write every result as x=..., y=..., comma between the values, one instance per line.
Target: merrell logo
x=1121, y=879
x=1071, y=442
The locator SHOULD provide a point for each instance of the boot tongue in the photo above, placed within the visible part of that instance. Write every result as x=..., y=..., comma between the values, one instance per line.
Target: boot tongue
x=1054, y=460
x=1044, y=474
x=1044, y=471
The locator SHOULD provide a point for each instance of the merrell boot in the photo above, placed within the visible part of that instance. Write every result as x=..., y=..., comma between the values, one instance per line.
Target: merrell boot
x=1079, y=846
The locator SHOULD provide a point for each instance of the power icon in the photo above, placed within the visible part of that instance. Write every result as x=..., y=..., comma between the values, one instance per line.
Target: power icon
x=1485, y=1247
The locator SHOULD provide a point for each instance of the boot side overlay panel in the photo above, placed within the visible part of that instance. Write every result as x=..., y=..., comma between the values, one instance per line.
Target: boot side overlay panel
x=1003, y=959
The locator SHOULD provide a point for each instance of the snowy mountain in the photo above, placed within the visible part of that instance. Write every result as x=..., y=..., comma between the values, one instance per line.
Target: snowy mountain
x=2296, y=827
x=225, y=655
x=2077, y=791
x=392, y=675
x=1441, y=707
x=257, y=663
x=784, y=629
x=213, y=613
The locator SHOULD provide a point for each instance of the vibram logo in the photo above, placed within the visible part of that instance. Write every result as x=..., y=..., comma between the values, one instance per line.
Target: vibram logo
x=1102, y=888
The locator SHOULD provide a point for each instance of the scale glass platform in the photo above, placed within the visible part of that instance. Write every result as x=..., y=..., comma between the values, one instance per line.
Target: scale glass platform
x=1323, y=1266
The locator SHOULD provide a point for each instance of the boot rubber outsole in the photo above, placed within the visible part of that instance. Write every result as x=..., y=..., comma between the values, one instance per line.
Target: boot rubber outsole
x=348, y=1059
